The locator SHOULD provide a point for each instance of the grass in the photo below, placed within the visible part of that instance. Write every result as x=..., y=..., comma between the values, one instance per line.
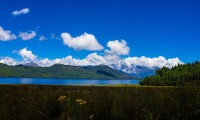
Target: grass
x=135, y=85
x=110, y=102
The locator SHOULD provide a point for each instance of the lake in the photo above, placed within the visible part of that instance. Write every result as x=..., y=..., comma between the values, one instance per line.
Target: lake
x=41, y=81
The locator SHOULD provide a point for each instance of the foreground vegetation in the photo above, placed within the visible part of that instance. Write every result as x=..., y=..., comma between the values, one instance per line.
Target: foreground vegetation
x=186, y=74
x=27, y=102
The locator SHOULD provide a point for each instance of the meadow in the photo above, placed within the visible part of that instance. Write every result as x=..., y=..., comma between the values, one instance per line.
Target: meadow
x=119, y=102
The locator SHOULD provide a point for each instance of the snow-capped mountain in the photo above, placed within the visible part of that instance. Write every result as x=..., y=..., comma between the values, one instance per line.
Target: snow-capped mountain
x=136, y=71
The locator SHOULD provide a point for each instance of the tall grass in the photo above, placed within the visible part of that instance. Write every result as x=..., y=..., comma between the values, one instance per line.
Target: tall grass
x=21, y=102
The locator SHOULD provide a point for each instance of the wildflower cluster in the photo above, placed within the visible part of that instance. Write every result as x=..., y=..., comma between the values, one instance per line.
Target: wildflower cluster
x=63, y=98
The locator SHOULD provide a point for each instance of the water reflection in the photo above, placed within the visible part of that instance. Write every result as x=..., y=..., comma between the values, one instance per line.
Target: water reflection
x=26, y=81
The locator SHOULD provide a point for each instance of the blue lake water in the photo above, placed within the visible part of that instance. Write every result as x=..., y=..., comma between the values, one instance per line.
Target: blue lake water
x=41, y=81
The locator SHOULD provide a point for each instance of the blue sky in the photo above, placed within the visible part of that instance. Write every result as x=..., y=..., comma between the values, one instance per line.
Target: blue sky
x=153, y=28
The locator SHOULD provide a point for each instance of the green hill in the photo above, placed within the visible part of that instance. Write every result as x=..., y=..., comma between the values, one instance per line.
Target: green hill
x=186, y=74
x=62, y=71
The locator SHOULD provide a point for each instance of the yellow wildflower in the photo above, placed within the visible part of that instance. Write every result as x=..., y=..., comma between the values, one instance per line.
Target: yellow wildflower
x=62, y=98
x=81, y=101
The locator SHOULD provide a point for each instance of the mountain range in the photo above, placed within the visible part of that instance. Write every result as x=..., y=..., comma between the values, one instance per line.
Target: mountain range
x=32, y=69
x=134, y=71
x=143, y=71
x=62, y=71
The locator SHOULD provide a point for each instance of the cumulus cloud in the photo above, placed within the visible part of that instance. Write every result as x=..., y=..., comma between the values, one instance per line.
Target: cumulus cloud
x=84, y=42
x=27, y=54
x=27, y=35
x=8, y=61
x=117, y=48
x=6, y=35
x=91, y=59
x=112, y=59
x=42, y=37
x=95, y=59
x=65, y=61
x=153, y=62
x=44, y=62
x=22, y=11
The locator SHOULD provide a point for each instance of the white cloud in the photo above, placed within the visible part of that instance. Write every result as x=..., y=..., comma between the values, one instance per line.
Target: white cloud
x=153, y=62
x=91, y=59
x=44, y=62
x=22, y=11
x=27, y=54
x=112, y=59
x=27, y=35
x=8, y=61
x=95, y=59
x=117, y=48
x=6, y=35
x=42, y=37
x=84, y=42
x=47, y=62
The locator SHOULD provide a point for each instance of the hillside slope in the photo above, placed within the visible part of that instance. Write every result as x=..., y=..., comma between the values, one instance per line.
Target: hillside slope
x=187, y=74
x=62, y=71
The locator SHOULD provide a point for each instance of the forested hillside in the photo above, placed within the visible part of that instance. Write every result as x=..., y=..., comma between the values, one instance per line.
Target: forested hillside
x=62, y=71
x=186, y=74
